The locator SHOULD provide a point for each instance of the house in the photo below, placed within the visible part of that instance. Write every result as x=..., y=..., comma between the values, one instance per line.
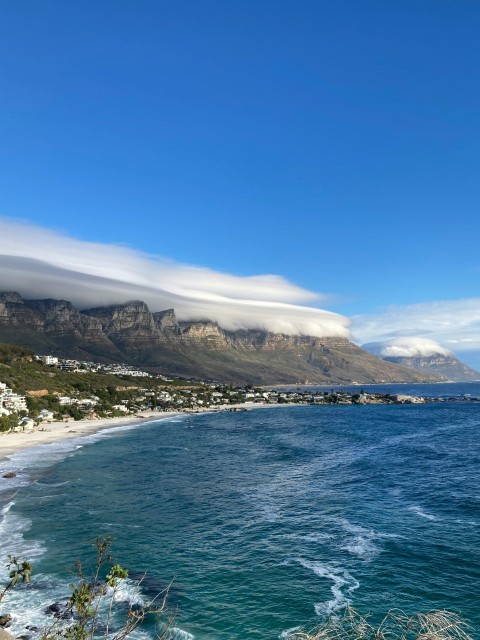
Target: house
x=11, y=402
x=27, y=424
x=45, y=415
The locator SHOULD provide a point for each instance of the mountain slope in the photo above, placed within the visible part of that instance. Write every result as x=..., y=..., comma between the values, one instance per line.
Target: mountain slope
x=131, y=333
x=424, y=356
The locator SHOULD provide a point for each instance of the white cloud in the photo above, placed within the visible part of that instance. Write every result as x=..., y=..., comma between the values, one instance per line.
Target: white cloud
x=447, y=322
x=38, y=263
x=406, y=348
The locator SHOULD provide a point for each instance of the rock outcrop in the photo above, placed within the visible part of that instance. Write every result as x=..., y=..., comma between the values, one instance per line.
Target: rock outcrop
x=131, y=333
x=447, y=367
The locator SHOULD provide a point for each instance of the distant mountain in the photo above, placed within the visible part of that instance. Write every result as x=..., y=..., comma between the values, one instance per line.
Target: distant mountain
x=159, y=341
x=424, y=356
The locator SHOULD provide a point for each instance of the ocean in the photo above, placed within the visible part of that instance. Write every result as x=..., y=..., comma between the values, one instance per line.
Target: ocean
x=262, y=521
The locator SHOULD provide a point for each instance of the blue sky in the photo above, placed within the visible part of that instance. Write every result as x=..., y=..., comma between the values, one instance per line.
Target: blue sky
x=334, y=143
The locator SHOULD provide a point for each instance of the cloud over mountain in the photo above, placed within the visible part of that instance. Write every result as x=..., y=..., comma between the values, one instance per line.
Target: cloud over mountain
x=451, y=323
x=39, y=263
x=408, y=347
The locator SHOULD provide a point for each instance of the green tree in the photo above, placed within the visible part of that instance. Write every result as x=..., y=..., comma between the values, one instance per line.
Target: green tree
x=92, y=599
x=8, y=422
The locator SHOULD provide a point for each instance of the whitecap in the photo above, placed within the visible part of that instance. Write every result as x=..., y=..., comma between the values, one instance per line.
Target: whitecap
x=180, y=634
x=285, y=635
x=128, y=591
x=12, y=528
x=344, y=584
x=307, y=537
x=420, y=512
x=361, y=542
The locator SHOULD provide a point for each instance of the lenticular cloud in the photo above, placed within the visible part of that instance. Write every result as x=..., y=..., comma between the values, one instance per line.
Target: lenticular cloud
x=408, y=347
x=40, y=263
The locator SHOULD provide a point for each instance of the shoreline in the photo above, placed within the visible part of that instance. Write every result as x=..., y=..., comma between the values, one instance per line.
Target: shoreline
x=54, y=432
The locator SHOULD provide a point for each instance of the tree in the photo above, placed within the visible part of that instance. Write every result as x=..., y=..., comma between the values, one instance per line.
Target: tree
x=91, y=618
x=92, y=601
x=18, y=571
x=8, y=422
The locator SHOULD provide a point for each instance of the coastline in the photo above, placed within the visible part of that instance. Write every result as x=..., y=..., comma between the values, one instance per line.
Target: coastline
x=55, y=432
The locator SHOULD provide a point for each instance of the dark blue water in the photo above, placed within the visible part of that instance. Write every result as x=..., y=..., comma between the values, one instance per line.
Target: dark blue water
x=436, y=390
x=270, y=519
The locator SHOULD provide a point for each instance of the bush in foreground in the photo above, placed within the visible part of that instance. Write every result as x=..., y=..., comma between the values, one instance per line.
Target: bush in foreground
x=396, y=625
x=91, y=605
x=90, y=608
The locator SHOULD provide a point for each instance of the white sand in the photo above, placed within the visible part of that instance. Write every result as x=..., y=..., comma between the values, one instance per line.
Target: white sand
x=48, y=433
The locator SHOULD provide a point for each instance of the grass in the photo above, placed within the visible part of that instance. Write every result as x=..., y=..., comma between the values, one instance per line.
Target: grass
x=396, y=625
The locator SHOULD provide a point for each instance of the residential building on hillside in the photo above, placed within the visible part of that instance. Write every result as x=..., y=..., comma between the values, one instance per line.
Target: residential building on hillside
x=11, y=402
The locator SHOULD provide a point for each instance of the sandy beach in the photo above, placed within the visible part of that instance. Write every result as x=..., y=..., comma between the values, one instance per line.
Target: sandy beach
x=57, y=431
x=52, y=432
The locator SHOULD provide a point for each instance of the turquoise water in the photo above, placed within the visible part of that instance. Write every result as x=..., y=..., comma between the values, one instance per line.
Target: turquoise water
x=265, y=520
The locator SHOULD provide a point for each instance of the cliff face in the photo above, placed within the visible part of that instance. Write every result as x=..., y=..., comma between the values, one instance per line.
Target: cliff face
x=47, y=324
x=129, y=326
x=131, y=333
x=444, y=366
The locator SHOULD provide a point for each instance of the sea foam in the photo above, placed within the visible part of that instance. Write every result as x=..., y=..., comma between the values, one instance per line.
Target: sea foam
x=344, y=584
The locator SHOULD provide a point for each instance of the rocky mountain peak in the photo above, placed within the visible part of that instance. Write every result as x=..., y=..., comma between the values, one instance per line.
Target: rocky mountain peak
x=11, y=296
x=166, y=320
x=130, y=333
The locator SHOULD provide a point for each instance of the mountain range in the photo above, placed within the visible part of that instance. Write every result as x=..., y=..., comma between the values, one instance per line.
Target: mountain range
x=131, y=333
x=436, y=360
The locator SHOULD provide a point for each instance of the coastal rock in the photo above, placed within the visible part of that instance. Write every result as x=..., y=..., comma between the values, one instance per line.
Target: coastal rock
x=10, y=474
x=4, y=635
x=60, y=610
x=5, y=620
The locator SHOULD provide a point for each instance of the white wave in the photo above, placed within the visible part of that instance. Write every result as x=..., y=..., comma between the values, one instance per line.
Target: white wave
x=420, y=512
x=6, y=508
x=118, y=525
x=180, y=634
x=12, y=528
x=27, y=606
x=344, y=584
x=308, y=537
x=361, y=543
x=362, y=540
x=128, y=591
x=51, y=484
x=45, y=455
x=285, y=635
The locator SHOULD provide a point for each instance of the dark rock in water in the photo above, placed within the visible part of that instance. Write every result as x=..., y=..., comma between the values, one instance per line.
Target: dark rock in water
x=32, y=627
x=24, y=637
x=10, y=474
x=59, y=610
x=5, y=620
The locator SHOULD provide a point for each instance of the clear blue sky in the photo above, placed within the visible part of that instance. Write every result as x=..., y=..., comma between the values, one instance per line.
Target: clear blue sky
x=334, y=142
